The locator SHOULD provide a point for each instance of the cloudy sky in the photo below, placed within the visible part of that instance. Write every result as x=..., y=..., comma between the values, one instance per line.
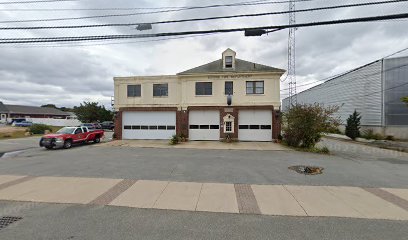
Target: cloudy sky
x=67, y=74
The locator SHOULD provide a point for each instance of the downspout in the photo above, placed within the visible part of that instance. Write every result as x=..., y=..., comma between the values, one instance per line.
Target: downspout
x=383, y=119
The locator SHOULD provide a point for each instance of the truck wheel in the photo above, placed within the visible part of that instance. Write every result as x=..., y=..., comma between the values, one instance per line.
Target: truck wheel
x=67, y=144
x=97, y=140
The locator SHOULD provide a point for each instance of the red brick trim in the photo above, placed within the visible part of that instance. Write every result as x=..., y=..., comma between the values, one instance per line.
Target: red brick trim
x=182, y=118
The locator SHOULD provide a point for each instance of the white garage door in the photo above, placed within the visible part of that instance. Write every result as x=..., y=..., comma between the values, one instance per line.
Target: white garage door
x=148, y=125
x=204, y=125
x=255, y=125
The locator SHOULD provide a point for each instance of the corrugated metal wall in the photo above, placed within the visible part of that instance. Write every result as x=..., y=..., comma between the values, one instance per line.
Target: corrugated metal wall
x=360, y=89
x=395, y=87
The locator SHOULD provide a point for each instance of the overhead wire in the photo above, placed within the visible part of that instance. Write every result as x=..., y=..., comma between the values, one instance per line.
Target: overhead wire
x=326, y=79
x=164, y=34
x=35, y=1
x=203, y=19
x=136, y=14
x=178, y=8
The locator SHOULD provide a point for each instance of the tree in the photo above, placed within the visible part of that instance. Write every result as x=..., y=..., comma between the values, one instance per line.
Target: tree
x=92, y=112
x=50, y=106
x=353, y=125
x=64, y=109
x=304, y=124
x=405, y=100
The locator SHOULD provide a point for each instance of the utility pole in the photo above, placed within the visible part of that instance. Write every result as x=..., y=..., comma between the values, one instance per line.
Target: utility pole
x=292, y=56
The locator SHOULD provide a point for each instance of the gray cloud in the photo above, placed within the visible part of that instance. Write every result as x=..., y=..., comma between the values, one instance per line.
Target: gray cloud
x=71, y=74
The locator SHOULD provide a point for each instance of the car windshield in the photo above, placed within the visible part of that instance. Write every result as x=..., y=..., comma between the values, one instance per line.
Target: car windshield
x=66, y=130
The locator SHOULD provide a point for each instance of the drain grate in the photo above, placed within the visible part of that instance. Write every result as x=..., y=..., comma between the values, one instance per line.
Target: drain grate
x=307, y=170
x=7, y=220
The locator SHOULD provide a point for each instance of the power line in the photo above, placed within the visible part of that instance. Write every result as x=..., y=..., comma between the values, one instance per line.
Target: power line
x=361, y=77
x=70, y=44
x=166, y=11
x=36, y=1
x=166, y=34
x=366, y=95
x=179, y=8
x=203, y=19
x=324, y=80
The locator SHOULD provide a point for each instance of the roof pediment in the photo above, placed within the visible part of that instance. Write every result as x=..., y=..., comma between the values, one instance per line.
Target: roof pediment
x=241, y=66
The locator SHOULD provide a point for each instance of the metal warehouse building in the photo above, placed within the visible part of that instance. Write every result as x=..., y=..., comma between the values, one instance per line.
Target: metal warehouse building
x=374, y=90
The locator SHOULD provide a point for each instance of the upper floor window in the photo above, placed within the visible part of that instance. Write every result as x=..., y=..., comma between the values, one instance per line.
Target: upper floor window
x=228, y=61
x=229, y=88
x=160, y=90
x=203, y=88
x=255, y=87
x=134, y=90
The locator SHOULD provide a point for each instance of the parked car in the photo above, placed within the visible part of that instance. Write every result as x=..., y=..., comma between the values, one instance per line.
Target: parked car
x=67, y=136
x=108, y=125
x=16, y=120
x=23, y=124
x=91, y=126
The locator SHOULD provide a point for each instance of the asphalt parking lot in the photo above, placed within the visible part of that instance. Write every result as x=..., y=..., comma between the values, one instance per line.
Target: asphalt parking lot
x=349, y=166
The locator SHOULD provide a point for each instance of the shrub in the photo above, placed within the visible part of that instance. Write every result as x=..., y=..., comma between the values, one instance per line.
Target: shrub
x=174, y=140
x=39, y=128
x=304, y=124
x=353, y=125
x=324, y=150
x=369, y=134
x=389, y=138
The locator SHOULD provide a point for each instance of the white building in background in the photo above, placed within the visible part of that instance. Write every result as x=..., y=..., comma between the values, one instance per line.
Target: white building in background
x=374, y=90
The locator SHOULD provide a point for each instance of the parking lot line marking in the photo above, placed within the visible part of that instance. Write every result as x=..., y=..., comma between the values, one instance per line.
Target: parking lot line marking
x=246, y=199
x=14, y=182
x=389, y=196
x=113, y=192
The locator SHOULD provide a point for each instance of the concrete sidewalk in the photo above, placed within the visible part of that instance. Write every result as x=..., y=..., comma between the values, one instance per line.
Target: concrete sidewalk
x=286, y=200
x=261, y=146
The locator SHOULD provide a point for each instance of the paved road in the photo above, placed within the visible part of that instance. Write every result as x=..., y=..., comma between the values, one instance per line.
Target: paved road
x=351, y=165
x=223, y=166
x=17, y=144
x=66, y=221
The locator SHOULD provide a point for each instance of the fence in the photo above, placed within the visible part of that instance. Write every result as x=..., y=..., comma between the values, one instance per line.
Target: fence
x=55, y=122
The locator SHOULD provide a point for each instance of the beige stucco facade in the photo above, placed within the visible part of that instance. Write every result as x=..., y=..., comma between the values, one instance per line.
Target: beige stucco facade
x=181, y=87
x=181, y=90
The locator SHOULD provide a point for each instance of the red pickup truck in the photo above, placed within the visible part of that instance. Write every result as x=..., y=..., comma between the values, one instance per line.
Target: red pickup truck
x=66, y=136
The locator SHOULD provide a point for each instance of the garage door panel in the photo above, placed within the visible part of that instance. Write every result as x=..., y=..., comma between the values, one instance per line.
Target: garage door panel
x=148, y=125
x=255, y=125
x=204, y=125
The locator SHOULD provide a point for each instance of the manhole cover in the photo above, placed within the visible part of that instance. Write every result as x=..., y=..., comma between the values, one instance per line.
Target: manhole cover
x=7, y=220
x=307, y=170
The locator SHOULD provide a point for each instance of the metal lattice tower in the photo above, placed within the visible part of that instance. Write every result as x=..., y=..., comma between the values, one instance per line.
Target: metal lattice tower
x=292, y=56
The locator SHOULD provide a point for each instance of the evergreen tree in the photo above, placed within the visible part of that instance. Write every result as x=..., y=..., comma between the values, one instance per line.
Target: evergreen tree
x=353, y=125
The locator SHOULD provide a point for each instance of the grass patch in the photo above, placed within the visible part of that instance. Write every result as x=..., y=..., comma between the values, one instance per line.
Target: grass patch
x=20, y=133
x=323, y=150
